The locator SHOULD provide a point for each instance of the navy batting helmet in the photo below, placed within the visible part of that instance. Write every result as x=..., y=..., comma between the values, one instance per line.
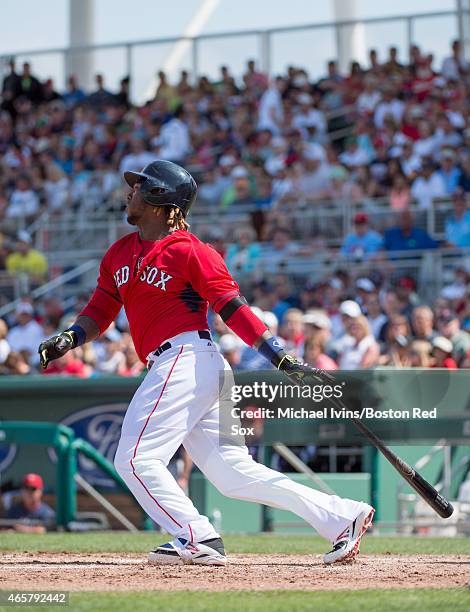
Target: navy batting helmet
x=163, y=183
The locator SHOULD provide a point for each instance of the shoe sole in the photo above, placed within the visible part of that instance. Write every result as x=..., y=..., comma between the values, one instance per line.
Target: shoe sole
x=155, y=559
x=352, y=554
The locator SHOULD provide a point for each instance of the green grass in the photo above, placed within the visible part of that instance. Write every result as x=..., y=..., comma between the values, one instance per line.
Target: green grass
x=294, y=544
x=426, y=600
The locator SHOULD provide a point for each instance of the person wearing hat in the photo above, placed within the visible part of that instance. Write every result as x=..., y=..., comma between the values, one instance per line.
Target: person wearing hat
x=34, y=515
x=442, y=353
x=26, y=334
x=362, y=241
x=26, y=260
x=230, y=349
x=317, y=324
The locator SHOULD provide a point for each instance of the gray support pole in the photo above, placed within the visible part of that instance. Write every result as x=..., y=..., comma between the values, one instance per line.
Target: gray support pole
x=81, y=21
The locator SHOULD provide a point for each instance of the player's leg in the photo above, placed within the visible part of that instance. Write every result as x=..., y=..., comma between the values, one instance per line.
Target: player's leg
x=159, y=417
x=232, y=470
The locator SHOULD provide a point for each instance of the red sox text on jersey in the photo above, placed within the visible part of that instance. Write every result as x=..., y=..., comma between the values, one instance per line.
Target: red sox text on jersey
x=164, y=286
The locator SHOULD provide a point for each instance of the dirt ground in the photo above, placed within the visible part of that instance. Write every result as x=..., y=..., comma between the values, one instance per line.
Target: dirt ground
x=101, y=572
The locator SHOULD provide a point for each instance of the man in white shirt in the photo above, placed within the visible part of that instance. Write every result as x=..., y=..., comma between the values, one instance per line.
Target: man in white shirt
x=354, y=156
x=137, y=158
x=369, y=98
x=410, y=162
x=270, y=112
x=427, y=143
x=175, y=143
x=24, y=202
x=428, y=186
x=27, y=334
x=389, y=106
x=306, y=115
x=455, y=66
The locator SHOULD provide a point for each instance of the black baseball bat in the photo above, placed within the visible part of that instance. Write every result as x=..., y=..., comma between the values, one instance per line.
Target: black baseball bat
x=425, y=490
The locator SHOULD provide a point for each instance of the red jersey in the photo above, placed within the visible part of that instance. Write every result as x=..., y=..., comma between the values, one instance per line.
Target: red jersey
x=165, y=287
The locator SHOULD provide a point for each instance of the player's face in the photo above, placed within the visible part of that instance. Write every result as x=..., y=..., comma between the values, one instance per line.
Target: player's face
x=135, y=205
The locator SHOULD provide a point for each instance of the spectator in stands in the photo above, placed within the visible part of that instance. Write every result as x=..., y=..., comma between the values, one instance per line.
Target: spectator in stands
x=292, y=331
x=132, y=365
x=448, y=325
x=396, y=353
x=33, y=515
x=390, y=106
x=354, y=156
x=441, y=352
x=409, y=160
x=70, y=364
x=5, y=349
x=312, y=181
x=254, y=80
x=464, y=179
x=369, y=98
x=314, y=354
x=363, y=241
x=27, y=334
x=56, y=188
x=270, y=111
x=392, y=68
x=420, y=354
x=138, y=156
x=26, y=260
x=101, y=96
x=375, y=315
x=30, y=87
x=457, y=225
x=317, y=326
x=74, y=94
x=230, y=349
x=428, y=186
x=407, y=237
x=243, y=255
x=398, y=327
x=449, y=171
x=278, y=249
x=357, y=348
x=422, y=321
x=400, y=194
x=24, y=202
x=174, y=142
x=455, y=66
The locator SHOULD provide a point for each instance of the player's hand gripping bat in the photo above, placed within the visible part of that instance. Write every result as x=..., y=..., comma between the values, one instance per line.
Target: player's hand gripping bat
x=302, y=374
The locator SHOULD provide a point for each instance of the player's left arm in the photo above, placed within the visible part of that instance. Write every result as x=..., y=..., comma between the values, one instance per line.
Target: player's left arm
x=211, y=279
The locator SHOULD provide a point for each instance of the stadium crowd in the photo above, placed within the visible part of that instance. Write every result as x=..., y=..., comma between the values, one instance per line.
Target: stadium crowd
x=391, y=133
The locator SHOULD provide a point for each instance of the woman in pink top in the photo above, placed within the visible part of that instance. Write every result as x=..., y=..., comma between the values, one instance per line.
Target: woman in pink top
x=315, y=356
x=400, y=195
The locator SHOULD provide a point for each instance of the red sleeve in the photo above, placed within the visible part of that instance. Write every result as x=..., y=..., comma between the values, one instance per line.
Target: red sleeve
x=105, y=303
x=209, y=276
x=246, y=325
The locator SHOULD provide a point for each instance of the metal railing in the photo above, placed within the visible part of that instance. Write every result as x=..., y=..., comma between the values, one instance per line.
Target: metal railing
x=140, y=59
x=331, y=219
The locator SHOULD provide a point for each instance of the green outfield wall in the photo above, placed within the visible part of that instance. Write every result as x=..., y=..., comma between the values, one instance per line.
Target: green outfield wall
x=94, y=409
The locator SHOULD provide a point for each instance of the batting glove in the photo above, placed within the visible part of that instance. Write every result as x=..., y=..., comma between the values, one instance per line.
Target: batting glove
x=56, y=347
x=301, y=373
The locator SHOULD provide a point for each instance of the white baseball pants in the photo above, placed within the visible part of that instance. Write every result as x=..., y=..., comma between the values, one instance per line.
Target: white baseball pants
x=178, y=403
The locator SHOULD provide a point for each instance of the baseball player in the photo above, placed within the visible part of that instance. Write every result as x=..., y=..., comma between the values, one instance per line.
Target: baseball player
x=165, y=278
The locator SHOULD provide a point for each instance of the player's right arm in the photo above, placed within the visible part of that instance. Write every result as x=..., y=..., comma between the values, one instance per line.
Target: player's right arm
x=94, y=319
